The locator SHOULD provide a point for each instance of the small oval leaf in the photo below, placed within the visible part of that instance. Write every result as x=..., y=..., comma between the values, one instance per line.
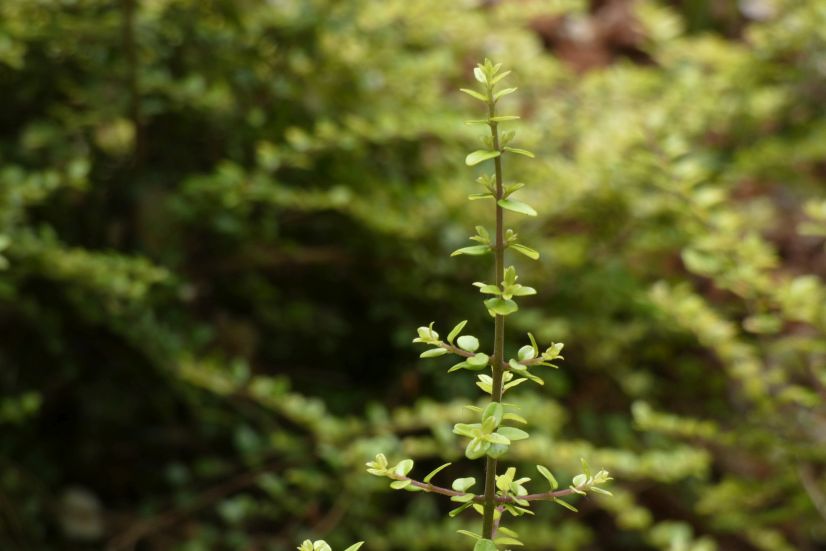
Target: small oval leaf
x=473, y=250
x=468, y=343
x=480, y=155
x=517, y=206
x=527, y=251
x=455, y=331
x=518, y=151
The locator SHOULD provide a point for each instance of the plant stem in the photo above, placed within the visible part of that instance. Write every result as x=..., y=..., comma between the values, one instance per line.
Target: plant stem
x=543, y=496
x=499, y=327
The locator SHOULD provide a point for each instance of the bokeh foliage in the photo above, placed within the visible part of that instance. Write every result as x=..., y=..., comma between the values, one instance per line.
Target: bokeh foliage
x=221, y=220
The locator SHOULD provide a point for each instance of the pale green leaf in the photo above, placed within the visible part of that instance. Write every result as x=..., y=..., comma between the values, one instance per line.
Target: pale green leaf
x=504, y=92
x=527, y=251
x=516, y=206
x=478, y=196
x=474, y=94
x=473, y=250
x=473, y=535
x=499, y=77
x=468, y=343
x=518, y=151
x=455, y=331
x=494, y=410
x=434, y=472
x=480, y=155
x=459, y=509
x=501, y=306
x=433, y=353
x=478, y=361
x=548, y=476
x=566, y=505
x=462, y=484
x=506, y=540
x=513, y=433
x=515, y=417
x=484, y=545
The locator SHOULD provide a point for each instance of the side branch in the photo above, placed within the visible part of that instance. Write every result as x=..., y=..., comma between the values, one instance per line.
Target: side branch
x=505, y=366
x=544, y=496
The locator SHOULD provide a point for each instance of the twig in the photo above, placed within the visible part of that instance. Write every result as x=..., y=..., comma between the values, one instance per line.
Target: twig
x=544, y=496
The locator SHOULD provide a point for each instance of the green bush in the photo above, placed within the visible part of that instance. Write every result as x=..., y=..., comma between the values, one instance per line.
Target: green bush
x=222, y=219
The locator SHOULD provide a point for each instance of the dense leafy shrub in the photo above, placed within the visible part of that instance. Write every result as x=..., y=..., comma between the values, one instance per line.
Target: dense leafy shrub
x=213, y=210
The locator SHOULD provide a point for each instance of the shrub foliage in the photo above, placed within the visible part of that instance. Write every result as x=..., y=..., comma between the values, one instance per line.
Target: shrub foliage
x=220, y=221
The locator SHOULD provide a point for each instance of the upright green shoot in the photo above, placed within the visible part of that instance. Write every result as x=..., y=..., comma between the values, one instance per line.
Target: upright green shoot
x=495, y=432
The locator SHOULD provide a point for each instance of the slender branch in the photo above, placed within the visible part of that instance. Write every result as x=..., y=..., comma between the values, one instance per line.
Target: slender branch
x=499, y=322
x=505, y=366
x=544, y=496
x=433, y=489
x=456, y=350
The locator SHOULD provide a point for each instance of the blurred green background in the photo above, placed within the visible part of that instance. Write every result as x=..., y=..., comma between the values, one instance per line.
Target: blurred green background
x=221, y=222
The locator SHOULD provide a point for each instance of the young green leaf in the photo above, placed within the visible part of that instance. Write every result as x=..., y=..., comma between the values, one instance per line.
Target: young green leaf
x=522, y=249
x=468, y=343
x=504, y=118
x=478, y=361
x=476, y=448
x=466, y=429
x=515, y=417
x=518, y=151
x=513, y=383
x=458, y=366
x=494, y=410
x=496, y=438
x=455, y=331
x=527, y=352
x=533, y=343
x=566, y=505
x=502, y=93
x=484, y=545
x=434, y=472
x=433, y=353
x=548, y=476
x=462, y=484
x=473, y=250
x=585, y=467
x=469, y=534
x=516, y=206
x=504, y=480
x=512, y=433
x=499, y=77
x=513, y=188
x=488, y=289
x=474, y=94
x=355, y=546
x=480, y=155
x=403, y=467
x=501, y=306
x=459, y=509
